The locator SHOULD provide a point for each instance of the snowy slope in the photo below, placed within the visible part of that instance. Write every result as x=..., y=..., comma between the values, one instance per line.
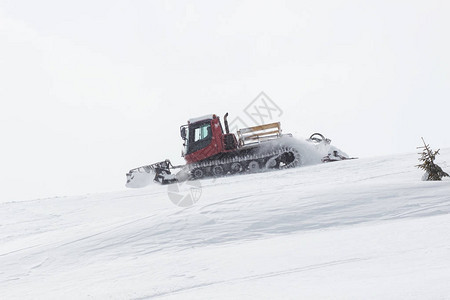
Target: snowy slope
x=360, y=229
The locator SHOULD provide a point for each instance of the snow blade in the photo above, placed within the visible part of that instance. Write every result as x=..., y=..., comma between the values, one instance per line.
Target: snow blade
x=157, y=172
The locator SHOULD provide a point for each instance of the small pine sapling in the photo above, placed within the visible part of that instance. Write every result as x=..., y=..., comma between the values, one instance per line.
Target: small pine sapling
x=432, y=171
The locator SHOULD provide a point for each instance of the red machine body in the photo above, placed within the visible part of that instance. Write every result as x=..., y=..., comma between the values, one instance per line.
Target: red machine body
x=205, y=139
x=209, y=150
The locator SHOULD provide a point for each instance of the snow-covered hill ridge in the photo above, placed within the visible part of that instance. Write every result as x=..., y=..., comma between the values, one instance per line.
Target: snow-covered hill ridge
x=284, y=233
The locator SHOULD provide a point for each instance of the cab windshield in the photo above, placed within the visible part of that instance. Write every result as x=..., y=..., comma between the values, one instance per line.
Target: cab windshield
x=202, y=132
x=199, y=136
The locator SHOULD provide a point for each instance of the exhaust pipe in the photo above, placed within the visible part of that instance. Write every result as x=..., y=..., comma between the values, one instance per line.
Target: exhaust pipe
x=227, y=130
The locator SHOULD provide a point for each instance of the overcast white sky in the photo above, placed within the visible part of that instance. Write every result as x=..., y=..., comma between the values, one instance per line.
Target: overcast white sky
x=91, y=89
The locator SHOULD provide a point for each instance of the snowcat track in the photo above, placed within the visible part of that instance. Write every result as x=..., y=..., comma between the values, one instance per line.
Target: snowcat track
x=280, y=158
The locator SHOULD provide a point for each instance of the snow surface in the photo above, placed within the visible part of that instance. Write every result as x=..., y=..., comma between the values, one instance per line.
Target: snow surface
x=357, y=229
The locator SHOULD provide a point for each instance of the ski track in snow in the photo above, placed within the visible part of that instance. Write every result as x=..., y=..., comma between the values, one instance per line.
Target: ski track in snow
x=366, y=228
